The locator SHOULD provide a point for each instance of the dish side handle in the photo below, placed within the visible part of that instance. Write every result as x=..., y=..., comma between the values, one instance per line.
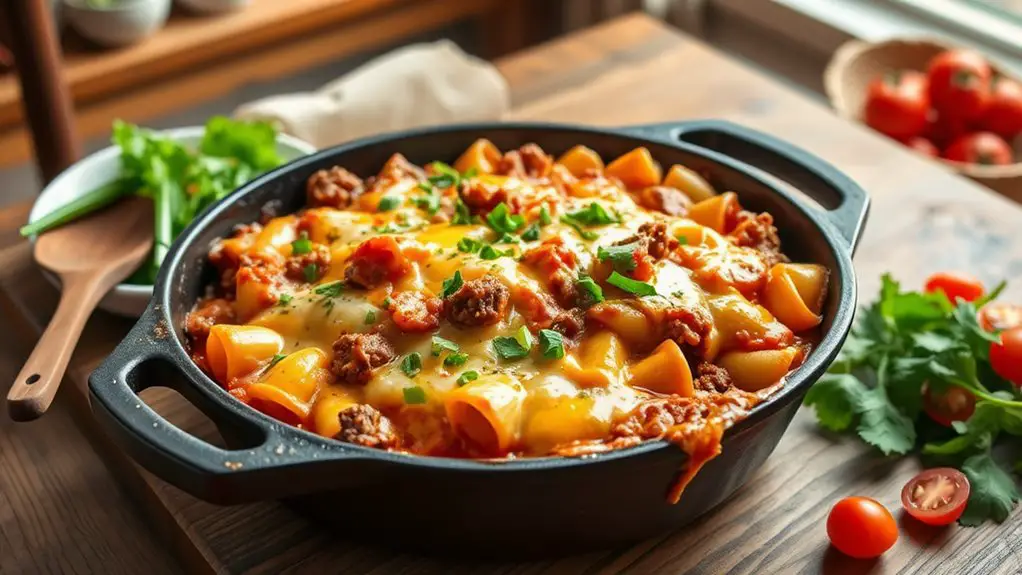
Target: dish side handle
x=845, y=202
x=271, y=463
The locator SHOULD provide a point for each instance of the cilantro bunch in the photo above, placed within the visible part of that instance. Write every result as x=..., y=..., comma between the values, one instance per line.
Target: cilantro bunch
x=907, y=344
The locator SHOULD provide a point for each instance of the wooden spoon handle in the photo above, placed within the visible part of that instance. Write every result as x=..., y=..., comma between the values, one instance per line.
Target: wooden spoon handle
x=33, y=390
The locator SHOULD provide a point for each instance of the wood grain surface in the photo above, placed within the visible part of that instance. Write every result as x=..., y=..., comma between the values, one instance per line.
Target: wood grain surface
x=627, y=71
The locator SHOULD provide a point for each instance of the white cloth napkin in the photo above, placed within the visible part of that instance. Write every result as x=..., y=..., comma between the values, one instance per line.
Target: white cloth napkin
x=419, y=85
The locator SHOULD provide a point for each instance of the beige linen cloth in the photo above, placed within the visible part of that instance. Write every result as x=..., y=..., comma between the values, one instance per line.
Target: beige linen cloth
x=419, y=85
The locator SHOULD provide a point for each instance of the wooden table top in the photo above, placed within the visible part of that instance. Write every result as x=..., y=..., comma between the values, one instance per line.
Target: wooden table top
x=61, y=509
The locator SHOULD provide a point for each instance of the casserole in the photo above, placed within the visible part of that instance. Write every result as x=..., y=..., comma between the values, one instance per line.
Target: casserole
x=520, y=506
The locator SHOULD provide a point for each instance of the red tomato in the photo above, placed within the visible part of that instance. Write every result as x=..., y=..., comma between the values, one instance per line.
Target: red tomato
x=861, y=527
x=980, y=148
x=955, y=286
x=943, y=129
x=1006, y=356
x=897, y=104
x=923, y=146
x=1004, y=113
x=952, y=404
x=1000, y=316
x=959, y=84
x=936, y=496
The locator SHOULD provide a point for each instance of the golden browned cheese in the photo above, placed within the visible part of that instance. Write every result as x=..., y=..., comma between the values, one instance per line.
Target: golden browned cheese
x=519, y=308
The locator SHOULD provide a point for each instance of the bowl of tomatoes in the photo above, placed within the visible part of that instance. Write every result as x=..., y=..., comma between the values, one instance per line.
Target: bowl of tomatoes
x=948, y=103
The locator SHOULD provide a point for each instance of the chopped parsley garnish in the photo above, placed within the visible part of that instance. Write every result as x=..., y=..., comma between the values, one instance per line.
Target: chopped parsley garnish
x=622, y=257
x=586, y=234
x=370, y=317
x=429, y=203
x=285, y=298
x=634, y=287
x=594, y=215
x=414, y=395
x=441, y=345
x=462, y=216
x=452, y=285
x=491, y=253
x=386, y=303
x=332, y=289
x=544, y=216
x=469, y=245
x=301, y=246
x=470, y=173
x=412, y=364
x=388, y=203
x=467, y=377
x=311, y=272
x=531, y=233
x=444, y=176
x=682, y=240
x=515, y=347
x=502, y=221
x=455, y=359
x=591, y=291
x=551, y=344
x=276, y=359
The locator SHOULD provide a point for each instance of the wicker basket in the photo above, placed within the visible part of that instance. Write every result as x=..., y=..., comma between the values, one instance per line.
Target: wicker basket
x=857, y=63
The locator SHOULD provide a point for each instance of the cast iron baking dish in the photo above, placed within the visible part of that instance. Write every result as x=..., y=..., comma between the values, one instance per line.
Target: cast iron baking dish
x=505, y=508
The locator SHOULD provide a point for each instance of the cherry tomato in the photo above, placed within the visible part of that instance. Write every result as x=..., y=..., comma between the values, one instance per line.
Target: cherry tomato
x=951, y=404
x=1004, y=113
x=982, y=148
x=1006, y=356
x=897, y=104
x=943, y=129
x=959, y=84
x=1000, y=316
x=861, y=527
x=955, y=286
x=923, y=146
x=936, y=496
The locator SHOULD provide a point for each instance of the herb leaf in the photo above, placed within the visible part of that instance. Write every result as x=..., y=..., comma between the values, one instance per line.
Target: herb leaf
x=515, y=347
x=622, y=257
x=302, y=245
x=455, y=359
x=502, y=221
x=412, y=364
x=467, y=377
x=634, y=287
x=452, y=285
x=591, y=291
x=440, y=345
x=414, y=395
x=993, y=493
x=388, y=203
x=332, y=289
x=551, y=344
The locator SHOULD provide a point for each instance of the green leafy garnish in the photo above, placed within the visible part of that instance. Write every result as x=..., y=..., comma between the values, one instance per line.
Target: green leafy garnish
x=429, y=203
x=531, y=233
x=591, y=291
x=586, y=234
x=414, y=395
x=444, y=176
x=411, y=364
x=467, y=377
x=634, y=287
x=462, y=216
x=469, y=245
x=388, y=203
x=909, y=343
x=285, y=298
x=544, y=216
x=502, y=221
x=551, y=344
x=622, y=257
x=276, y=359
x=332, y=289
x=311, y=272
x=440, y=345
x=492, y=253
x=515, y=347
x=455, y=359
x=452, y=285
x=593, y=215
x=301, y=246
x=370, y=318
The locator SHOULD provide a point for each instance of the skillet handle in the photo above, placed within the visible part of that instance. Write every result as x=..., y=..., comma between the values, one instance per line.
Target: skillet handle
x=274, y=463
x=846, y=202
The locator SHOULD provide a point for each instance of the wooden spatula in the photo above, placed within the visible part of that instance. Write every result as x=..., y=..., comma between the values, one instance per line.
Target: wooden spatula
x=90, y=256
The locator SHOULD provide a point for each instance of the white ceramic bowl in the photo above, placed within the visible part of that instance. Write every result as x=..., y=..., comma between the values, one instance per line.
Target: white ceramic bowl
x=124, y=22
x=214, y=6
x=103, y=167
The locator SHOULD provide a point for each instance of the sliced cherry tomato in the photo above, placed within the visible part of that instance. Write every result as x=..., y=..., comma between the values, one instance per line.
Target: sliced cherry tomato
x=959, y=84
x=923, y=146
x=1000, y=316
x=936, y=496
x=955, y=286
x=1006, y=356
x=861, y=527
x=952, y=404
x=1004, y=113
x=984, y=148
x=897, y=104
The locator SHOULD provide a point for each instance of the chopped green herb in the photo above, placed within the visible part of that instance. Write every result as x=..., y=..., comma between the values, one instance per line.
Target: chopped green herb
x=593, y=215
x=444, y=176
x=586, y=234
x=531, y=233
x=551, y=344
x=455, y=359
x=515, y=347
x=592, y=292
x=634, y=287
x=332, y=289
x=470, y=173
x=412, y=364
x=467, y=377
x=491, y=253
x=503, y=221
x=544, y=216
x=414, y=395
x=276, y=359
x=429, y=203
x=682, y=240
x=426, y=187
x=462, y=216
x=452, y=285
x=388, y=203
x=441, y=344
x=311, y=272
x=469, y=245
x=285, y=298
x=370, y=317
x=622, y=257
x=302, y=245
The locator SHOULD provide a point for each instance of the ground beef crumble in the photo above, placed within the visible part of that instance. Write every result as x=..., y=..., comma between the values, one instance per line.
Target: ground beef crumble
x=356, y=355
x=364, y=425
x=479, y=302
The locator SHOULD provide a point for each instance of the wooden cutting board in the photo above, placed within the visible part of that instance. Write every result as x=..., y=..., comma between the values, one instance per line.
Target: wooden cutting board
x=632, y=71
